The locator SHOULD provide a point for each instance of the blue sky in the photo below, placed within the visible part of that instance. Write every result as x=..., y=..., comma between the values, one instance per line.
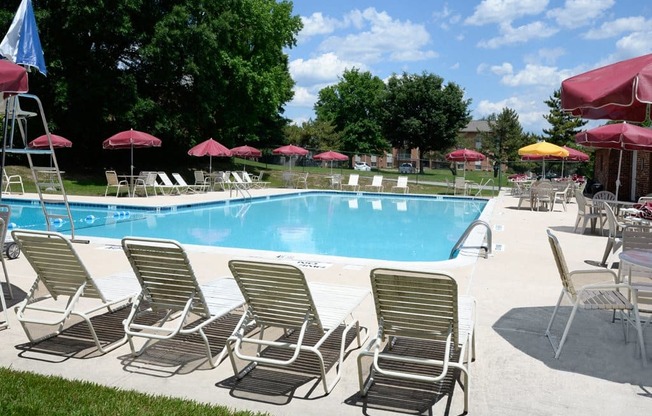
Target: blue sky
x=503, y=53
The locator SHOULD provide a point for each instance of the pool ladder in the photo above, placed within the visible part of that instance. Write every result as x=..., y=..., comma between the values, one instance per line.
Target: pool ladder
x=487, y=248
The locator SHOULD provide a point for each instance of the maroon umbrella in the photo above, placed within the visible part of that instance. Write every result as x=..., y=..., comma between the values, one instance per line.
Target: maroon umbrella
x=330, y=156
x=621, y=136
x=465, y=155
x=210, y=148
x=13, y=78
x=290, y=150
x=246, y=151
x=42, y=142
x=130, y=139
x=620, y=91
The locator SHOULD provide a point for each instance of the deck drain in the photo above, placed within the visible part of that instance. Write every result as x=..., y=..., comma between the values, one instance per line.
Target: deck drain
x=499, y=227
x=499, y=247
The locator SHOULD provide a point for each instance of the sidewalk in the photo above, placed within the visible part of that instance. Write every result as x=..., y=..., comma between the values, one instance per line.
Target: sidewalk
x=515, y=372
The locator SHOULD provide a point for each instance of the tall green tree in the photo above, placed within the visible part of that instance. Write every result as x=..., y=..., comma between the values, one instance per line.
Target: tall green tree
x=352, y=106
x=505, y=137
x=564, y=126
x=419, y=111
x=183, y=70
x=314, y=134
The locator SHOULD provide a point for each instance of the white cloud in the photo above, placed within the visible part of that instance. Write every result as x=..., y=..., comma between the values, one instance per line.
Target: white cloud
x=521, y=34
x=302, y=98
x=577, y=13
x=616, y=27
x=504, y=69
x=547, y=56
x=535, y=75
x=317, y=24
x=322, y=69
x=384, y=38
x=498, y=11
x=530, y=111
x=635, y=44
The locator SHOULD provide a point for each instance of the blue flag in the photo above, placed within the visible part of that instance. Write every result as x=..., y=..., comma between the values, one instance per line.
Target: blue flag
x=21, y=44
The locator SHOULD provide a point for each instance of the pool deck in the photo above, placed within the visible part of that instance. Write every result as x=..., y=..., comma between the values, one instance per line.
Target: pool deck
x=515, y=372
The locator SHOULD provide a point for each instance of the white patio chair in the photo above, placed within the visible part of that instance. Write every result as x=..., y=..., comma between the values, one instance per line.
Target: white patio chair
x=202, y=182
x=423, y=311
x=353, y=182
x=401, y=184
x=278, y=296
x=112, y=181
x=376, y=183
x=585, y=212
x=168, y=284
x=65, y=288
x=460, y=186
x=12, y=180
x=598, y=296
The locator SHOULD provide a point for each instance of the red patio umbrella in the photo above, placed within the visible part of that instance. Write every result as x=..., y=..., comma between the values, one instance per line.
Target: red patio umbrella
x=465, y=155
x=210, y=148
x=41, y=142
x=13, y=78
x=290, y=150
x=130, y=139
x=621, y=136
x=620, y=91
x=246, y=151
x=330, y=156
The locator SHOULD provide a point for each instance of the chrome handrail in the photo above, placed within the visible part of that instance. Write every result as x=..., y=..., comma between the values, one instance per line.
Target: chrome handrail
x=487, y=249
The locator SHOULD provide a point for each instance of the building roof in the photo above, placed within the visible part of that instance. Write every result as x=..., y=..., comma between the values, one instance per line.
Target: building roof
x=476, y=125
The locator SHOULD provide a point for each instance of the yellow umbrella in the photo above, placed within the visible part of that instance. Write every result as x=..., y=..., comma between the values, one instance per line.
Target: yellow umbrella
x=544, y=149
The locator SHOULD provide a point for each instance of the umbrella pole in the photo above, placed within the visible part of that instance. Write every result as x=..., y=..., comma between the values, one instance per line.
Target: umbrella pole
x=620, y=161
x=210, y=164
x=131, y=168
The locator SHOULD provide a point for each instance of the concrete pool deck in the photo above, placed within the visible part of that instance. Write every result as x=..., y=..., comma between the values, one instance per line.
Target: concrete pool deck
x=515, y=372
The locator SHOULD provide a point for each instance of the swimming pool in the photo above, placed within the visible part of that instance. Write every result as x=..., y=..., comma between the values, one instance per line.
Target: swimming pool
x=370, y=226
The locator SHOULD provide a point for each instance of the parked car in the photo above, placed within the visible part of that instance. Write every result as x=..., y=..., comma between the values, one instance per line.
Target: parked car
x=406, y=168
x=362, y=166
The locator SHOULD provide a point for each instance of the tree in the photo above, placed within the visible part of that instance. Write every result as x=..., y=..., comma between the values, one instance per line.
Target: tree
x=314, y=134
x=352, y=106
x=564, y=126
x=420, y=112
x=183, y=70
x=505, y=137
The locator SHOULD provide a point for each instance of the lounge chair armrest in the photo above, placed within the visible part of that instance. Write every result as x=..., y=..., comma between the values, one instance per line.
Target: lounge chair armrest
x=611, y=273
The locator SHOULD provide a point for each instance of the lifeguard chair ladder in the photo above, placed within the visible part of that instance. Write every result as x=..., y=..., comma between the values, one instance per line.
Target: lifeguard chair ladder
x=49, y=185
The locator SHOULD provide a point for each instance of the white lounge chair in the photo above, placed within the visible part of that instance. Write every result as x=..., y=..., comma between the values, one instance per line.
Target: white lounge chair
x=254, y=183
x=598, y=296
x=423, y=311
x=376, y=183
x=167, y=185
x=278, y=296
x=353, y=182
x=112, y=181
x=401, y=184
x=182, y=184
x=169, y=284
x=65, y=279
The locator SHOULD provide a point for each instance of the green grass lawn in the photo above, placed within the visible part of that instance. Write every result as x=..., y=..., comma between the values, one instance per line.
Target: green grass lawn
x=26, y=394
x=431, y=181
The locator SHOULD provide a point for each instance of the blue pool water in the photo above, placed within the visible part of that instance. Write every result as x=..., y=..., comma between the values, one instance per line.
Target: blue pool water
x=386, y=227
